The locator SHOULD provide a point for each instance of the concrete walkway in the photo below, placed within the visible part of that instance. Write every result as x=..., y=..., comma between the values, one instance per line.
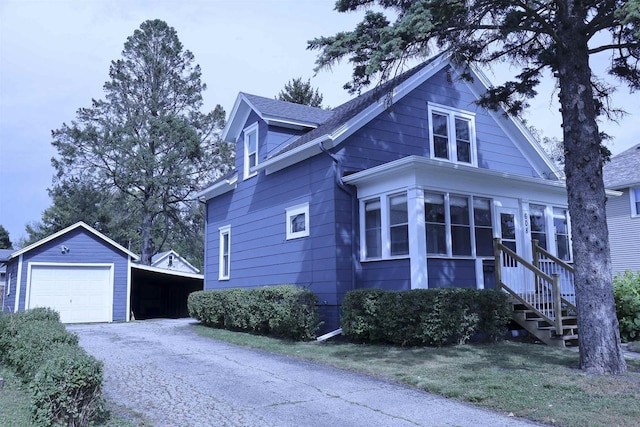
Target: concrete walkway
x=163, y=369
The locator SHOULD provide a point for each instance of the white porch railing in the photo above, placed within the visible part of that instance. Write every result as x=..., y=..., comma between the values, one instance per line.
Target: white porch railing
x=539, y=290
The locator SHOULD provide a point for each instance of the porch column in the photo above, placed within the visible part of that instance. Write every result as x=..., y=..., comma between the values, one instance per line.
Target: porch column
x=417, y=238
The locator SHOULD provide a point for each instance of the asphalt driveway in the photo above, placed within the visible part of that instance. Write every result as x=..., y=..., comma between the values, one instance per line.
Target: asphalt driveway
x=163, y=369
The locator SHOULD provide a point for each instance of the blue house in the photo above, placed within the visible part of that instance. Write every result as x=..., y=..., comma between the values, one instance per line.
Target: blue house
x=403, y=187
x=78, y=271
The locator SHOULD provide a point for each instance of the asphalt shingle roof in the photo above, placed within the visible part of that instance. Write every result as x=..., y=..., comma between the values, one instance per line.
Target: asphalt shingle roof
x=623, y=170
x=350, y=109
x=288, y=110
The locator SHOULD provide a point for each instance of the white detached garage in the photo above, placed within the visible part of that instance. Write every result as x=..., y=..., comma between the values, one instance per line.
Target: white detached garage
x=79, y=272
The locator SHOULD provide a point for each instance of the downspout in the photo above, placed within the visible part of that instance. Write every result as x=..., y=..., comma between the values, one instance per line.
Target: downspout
x=337, y=167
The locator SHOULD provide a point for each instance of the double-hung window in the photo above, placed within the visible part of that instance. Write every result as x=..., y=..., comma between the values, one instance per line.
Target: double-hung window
x=537, y=218
x=562, y=228
x=297, y=221
x=458, y=225
x=634, y=193
x=250, y=150
x=451, y=134
x=9, y=277
x=224, y=268
x=386, y=227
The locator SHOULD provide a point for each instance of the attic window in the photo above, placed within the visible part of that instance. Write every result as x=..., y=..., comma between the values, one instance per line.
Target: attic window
x=170, y=261
x=451, y=134
x=250, y=150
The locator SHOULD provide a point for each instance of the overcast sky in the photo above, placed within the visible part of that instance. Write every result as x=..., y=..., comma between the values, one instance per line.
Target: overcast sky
x=55, y=57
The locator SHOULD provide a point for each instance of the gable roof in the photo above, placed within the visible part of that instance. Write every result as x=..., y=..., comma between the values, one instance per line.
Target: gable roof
x=79, y=224
x=623, y=170
x=157, y=258
x=272, y=111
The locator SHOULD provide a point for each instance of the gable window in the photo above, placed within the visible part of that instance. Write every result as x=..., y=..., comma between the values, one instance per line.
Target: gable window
x=224, y=270
x=451, y=134
x=635, y=201
x=454, y=229
x=297, y=221
x=250, y=150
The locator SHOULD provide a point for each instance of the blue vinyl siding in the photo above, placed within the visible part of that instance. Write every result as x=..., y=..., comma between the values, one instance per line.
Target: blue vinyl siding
x=9, y=301
x=390, y=275
x=403, y=130
x=84, y=248
x=260, y=253
x=451, y=273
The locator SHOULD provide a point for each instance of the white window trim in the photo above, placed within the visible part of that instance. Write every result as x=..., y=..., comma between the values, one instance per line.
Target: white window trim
x=452, y=113
x=632, y=196
x=9, y=276
x=246, y=132
x=292, y=212
x=385, y=232
x=222, y=231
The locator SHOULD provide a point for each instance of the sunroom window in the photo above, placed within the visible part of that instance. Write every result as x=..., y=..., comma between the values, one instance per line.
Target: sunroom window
x=398, y=225
x=451, y=134
x=538, y=224
x=635, y=201
x=562, y=229
x=454, y=229
x=373, y=229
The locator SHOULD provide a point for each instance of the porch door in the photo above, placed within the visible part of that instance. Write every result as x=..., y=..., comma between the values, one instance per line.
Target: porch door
x=510, y=234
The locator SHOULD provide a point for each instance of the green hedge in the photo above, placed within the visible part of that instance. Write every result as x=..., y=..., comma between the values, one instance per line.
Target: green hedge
x=65, y=382
x=626, y=292
x=432, y=317
x=285, y=311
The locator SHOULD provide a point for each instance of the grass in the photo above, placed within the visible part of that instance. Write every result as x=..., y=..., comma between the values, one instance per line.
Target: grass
x=531, y=381
x=15, y=406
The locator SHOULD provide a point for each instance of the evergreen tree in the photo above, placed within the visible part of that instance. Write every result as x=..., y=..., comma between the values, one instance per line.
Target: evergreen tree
x=5, y=241
x=301, y=93
x=556, y=35
x=147, y=142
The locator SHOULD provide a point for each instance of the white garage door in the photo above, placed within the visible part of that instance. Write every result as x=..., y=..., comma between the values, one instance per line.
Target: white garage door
x=79, y=293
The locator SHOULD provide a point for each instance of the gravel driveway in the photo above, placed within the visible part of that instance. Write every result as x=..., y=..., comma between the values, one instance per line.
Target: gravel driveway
x=164, y=370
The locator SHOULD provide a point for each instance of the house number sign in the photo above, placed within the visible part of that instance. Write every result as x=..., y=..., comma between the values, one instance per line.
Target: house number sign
x=526, y=222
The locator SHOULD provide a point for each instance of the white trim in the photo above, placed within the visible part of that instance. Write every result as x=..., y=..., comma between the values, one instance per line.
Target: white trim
x=167, y=271
x=226, y=229
x=79, y=224
x=635, y=212
x=173, y=253
x=348, y=128
x=218, y=188
x=111, y=266
x=452, y=114
x=127, y=316
x=250, y=171
x=293, y=211
x=8, y=284
x=19, y=285
x=417, y=239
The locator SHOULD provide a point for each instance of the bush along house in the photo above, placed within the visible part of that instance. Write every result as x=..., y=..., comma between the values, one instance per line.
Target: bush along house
x=409, y=185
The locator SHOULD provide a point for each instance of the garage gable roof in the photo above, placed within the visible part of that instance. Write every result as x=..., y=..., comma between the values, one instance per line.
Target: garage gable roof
x=79, y=224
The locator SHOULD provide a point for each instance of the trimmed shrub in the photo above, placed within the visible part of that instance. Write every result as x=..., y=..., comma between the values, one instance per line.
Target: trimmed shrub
x=626, y=293
x=65, y=382
x=67, y=389
x=285, y=311
x=432, y=317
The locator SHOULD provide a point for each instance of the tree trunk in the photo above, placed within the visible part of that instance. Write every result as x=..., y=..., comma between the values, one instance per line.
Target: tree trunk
x=600, y=350
x=146, y=248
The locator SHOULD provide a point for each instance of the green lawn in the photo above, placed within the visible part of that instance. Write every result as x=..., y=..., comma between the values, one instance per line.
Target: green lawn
x=531, y=381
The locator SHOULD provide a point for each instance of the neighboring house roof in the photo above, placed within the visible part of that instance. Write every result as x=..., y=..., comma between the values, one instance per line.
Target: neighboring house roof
x=160, y=257
x=623, y=170
x=79, y=224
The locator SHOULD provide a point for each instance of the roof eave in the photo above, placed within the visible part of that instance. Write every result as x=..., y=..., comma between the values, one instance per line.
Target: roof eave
x=218, y=188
